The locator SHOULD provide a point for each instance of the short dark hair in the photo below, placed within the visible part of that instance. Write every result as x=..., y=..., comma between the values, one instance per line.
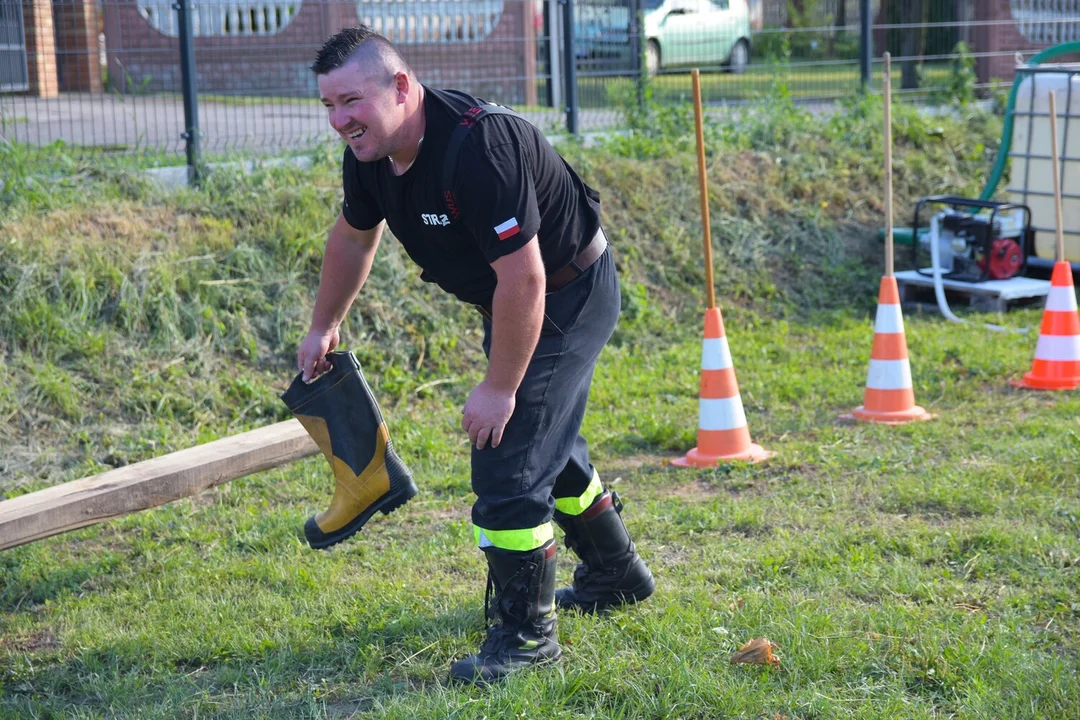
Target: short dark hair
x=346, y=43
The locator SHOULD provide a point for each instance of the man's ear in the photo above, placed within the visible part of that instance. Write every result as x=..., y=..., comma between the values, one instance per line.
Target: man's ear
x=402, y=84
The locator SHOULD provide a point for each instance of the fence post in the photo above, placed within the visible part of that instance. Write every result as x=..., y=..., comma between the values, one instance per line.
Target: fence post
x=570, y=66
x=187, y=83
x=637, y=48
x=866, y=42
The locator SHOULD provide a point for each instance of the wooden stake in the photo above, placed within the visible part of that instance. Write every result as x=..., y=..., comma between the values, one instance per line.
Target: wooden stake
x=1060, y=236
x=886, y=86
x=150, y=483
x=703, y=186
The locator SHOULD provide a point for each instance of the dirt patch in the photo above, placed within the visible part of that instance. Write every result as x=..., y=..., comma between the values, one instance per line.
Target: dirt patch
x=39, y=641
x=694, y=490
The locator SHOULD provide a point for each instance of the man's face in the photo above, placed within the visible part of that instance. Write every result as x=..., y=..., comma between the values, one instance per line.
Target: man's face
x=366, y=113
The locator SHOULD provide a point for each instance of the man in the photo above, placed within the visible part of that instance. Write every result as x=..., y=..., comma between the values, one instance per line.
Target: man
x=517, y=235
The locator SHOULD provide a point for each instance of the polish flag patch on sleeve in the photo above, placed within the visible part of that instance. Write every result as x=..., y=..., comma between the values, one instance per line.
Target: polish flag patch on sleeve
x=507, y=229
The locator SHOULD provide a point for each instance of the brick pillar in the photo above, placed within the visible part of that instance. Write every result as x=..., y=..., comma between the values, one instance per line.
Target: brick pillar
x=77, y=35
x=335, y=16
x=988, y=37
x=40, y=48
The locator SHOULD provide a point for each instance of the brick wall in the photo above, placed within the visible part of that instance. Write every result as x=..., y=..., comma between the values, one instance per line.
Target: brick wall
x=40, y=48
x=1003, y=38
x=141, y=57
x=78, y=59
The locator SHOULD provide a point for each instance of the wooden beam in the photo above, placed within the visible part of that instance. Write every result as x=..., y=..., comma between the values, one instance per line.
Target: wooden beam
x=150, y=483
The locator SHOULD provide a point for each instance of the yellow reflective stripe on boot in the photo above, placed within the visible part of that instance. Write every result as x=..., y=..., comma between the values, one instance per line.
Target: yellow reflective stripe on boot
x=578, y=505
x=520, y=540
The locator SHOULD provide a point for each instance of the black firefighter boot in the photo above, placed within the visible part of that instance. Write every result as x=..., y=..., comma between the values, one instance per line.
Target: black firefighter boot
x=611, y=572
x=340, y=413
x=522, y=613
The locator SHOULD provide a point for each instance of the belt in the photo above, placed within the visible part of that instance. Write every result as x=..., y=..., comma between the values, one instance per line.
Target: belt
x=581, y=262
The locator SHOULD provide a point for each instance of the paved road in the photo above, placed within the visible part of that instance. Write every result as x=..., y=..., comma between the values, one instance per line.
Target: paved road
x=157, y=122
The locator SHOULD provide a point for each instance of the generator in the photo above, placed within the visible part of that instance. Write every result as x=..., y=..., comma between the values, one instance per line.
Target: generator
x=971, y=240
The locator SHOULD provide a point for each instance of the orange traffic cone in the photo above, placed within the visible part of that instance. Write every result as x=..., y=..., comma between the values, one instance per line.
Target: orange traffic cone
x=722, y=432
x=1057, y=355
x=889, y=397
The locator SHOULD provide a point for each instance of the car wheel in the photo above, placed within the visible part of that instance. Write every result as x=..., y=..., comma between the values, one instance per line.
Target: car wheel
x=652, y=58
x=739, y=58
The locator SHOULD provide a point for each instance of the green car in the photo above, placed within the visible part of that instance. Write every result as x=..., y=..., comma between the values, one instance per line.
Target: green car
x=697, y=32
x=677, y=33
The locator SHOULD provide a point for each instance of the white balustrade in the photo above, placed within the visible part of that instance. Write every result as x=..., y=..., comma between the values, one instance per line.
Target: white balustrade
x=1047, y=21
x=222, y=18
x=415, y=22
x=405, y=22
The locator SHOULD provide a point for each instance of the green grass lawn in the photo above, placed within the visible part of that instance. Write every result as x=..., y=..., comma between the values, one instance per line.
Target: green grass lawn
x=917, y=572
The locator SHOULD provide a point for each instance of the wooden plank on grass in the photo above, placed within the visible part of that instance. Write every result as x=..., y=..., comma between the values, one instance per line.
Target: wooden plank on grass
x=150, y=483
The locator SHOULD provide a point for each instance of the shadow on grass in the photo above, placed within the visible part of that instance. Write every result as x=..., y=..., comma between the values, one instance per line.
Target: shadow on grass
x=355, y=669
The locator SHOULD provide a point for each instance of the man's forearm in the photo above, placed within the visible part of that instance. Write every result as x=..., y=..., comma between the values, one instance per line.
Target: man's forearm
x=517, y=311
x=346, y=264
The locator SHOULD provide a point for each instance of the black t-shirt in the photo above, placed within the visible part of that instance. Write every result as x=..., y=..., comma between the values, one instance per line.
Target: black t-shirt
x=510, y=185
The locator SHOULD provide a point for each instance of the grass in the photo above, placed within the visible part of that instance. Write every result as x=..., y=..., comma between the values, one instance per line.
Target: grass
x=910, y=572
x=827, y=81
x=923, y=571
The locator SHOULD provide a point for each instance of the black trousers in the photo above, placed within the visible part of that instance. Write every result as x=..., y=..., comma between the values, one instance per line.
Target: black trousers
x=542, y=455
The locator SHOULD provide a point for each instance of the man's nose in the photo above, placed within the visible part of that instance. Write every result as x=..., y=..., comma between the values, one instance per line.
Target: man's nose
x=338, y=119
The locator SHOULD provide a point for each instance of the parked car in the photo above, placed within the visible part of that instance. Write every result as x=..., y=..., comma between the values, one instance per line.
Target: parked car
x=678, y=33
x=697, y=32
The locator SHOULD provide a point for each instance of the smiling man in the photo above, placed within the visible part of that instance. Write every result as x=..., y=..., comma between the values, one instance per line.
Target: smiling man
x=492, y=214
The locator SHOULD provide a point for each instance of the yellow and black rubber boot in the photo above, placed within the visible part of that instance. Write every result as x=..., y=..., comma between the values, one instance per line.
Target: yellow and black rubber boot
x=522, y=632
x=340, y=413
x=611, y=572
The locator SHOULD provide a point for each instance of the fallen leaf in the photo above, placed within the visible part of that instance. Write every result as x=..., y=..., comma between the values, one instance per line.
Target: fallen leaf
x=735, y=605
x=758, y=651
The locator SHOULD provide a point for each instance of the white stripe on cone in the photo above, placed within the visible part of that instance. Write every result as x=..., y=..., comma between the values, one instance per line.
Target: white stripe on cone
x=889, y=375
x=1058, y=347
x=1061, y=299
x=724, y=414
x=715, y=354
x=889, y=320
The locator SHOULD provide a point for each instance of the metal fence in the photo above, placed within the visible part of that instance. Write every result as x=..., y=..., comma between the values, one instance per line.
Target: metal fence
x=100, y=78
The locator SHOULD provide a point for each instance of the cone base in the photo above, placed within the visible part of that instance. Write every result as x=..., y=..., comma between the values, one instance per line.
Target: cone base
x=1037, y=382
x=754, y=454
x=890, y=417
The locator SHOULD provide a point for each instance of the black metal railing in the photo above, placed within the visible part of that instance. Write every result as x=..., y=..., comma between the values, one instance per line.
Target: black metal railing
x=170, y=81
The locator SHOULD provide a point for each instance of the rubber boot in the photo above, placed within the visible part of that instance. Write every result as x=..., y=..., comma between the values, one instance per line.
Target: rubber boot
x=341, y=415
x=522, y=615
x=611, y=573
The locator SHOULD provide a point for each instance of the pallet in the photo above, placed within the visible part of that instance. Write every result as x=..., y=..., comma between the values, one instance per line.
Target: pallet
x=917, y=291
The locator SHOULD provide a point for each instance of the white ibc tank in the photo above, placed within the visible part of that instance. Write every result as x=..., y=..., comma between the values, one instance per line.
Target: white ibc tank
x=1031, y=179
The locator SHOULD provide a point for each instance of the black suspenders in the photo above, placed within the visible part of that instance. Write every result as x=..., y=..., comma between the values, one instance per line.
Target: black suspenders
x=472, y=116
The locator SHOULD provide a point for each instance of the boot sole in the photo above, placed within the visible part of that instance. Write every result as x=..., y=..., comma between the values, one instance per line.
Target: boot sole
x=636, y=595
x=387, y=504
x=480, y=681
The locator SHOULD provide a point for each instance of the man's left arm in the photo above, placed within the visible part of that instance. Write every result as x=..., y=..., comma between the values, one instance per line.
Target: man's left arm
x=517, y=311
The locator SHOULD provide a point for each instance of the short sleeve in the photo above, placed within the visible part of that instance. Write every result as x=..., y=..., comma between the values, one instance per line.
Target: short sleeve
x=358, y=206
x=496, y=196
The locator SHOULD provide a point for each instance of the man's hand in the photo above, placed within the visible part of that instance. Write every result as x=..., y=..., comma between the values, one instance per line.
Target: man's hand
x=485, y=415
x=311, y=357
